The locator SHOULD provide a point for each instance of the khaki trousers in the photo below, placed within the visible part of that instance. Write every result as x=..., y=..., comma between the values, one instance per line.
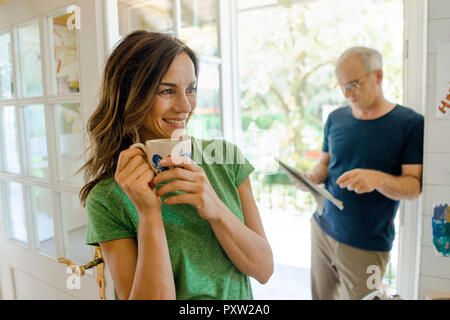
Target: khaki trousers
x=339, y=271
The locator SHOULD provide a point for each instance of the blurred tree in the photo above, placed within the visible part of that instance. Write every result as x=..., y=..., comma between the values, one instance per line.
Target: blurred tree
x=287, y=56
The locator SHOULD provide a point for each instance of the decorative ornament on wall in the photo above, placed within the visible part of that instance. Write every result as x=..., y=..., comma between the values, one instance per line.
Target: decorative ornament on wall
x=441, y=229
x=443, y=80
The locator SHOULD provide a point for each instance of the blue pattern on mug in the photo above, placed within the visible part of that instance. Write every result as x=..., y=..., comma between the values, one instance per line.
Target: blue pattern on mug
x=156, y=159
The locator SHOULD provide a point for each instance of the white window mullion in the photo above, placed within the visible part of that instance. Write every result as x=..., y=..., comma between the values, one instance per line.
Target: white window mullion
x=17, y=69
x=2, y=149
x=5, y=207
x=47, y=63
x=61, y=241
x=52, y=144
x=64, y=187
x=111, y=23
x=44, y=58
x=48, y=54
x=235, y=91
x=21, y=131
x=414, y=84
x=67, y=98
x=29, y=217
x=177, y=22
x=65, y=245
x=13, y=63
x=6, y=103
x=226, y=71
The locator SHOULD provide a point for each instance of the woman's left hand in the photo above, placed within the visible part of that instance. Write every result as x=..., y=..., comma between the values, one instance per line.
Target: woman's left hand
x=190, y=178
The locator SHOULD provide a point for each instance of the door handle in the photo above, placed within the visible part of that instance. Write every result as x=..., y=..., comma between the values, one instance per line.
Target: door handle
x=80, y=269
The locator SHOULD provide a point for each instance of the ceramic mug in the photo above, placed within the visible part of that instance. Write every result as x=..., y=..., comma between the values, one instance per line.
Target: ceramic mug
x=162, y=148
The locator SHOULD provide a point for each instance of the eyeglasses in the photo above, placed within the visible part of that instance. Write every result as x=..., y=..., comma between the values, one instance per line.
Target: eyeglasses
x=354, y=85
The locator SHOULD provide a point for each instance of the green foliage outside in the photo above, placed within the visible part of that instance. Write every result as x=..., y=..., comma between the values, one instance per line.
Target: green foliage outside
x=286, y=64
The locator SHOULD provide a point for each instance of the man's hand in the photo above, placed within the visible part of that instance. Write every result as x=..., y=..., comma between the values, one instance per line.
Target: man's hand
x=360, y=180
x=312, y=177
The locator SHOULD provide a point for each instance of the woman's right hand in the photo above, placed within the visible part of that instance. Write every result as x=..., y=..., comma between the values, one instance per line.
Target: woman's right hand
x=134, y=176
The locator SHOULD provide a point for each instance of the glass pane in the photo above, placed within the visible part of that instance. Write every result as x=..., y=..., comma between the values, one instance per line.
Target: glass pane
x=206, y=121
x=74, y=221
x=6, y=82
x=65, y=69
x=8, y=134
x=43, y=219
x=70, y=141
x=15, y=212
x=30, y=59
x=199, y=25
x=150, y=15
x=36, y=141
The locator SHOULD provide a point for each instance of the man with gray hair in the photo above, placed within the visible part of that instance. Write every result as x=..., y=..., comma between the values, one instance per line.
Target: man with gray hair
x=371, y=158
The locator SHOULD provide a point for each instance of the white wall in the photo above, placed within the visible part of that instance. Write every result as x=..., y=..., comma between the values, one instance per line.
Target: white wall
x=434, y=271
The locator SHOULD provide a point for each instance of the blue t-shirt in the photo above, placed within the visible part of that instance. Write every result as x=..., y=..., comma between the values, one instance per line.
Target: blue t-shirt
x=383, y=144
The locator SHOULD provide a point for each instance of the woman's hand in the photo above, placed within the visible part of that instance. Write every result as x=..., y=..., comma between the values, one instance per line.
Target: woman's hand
x=134, y=176
x=192, y=179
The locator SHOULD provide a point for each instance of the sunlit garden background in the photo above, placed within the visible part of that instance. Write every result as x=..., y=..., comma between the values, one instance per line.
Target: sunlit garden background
x=286, y=67
x=287, y=53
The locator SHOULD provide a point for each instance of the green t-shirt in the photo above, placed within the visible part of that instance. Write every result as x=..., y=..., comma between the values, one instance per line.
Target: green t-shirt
x=201, y=268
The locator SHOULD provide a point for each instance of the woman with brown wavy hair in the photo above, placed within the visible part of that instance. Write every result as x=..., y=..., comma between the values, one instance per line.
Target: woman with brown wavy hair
x=158, y=242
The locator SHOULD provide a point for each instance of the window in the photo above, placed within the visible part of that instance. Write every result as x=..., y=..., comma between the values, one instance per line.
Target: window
x=41, y=136
x=287, y=84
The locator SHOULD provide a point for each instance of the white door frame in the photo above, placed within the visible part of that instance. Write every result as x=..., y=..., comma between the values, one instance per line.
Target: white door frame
x=414, y=96
x=19, y=262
